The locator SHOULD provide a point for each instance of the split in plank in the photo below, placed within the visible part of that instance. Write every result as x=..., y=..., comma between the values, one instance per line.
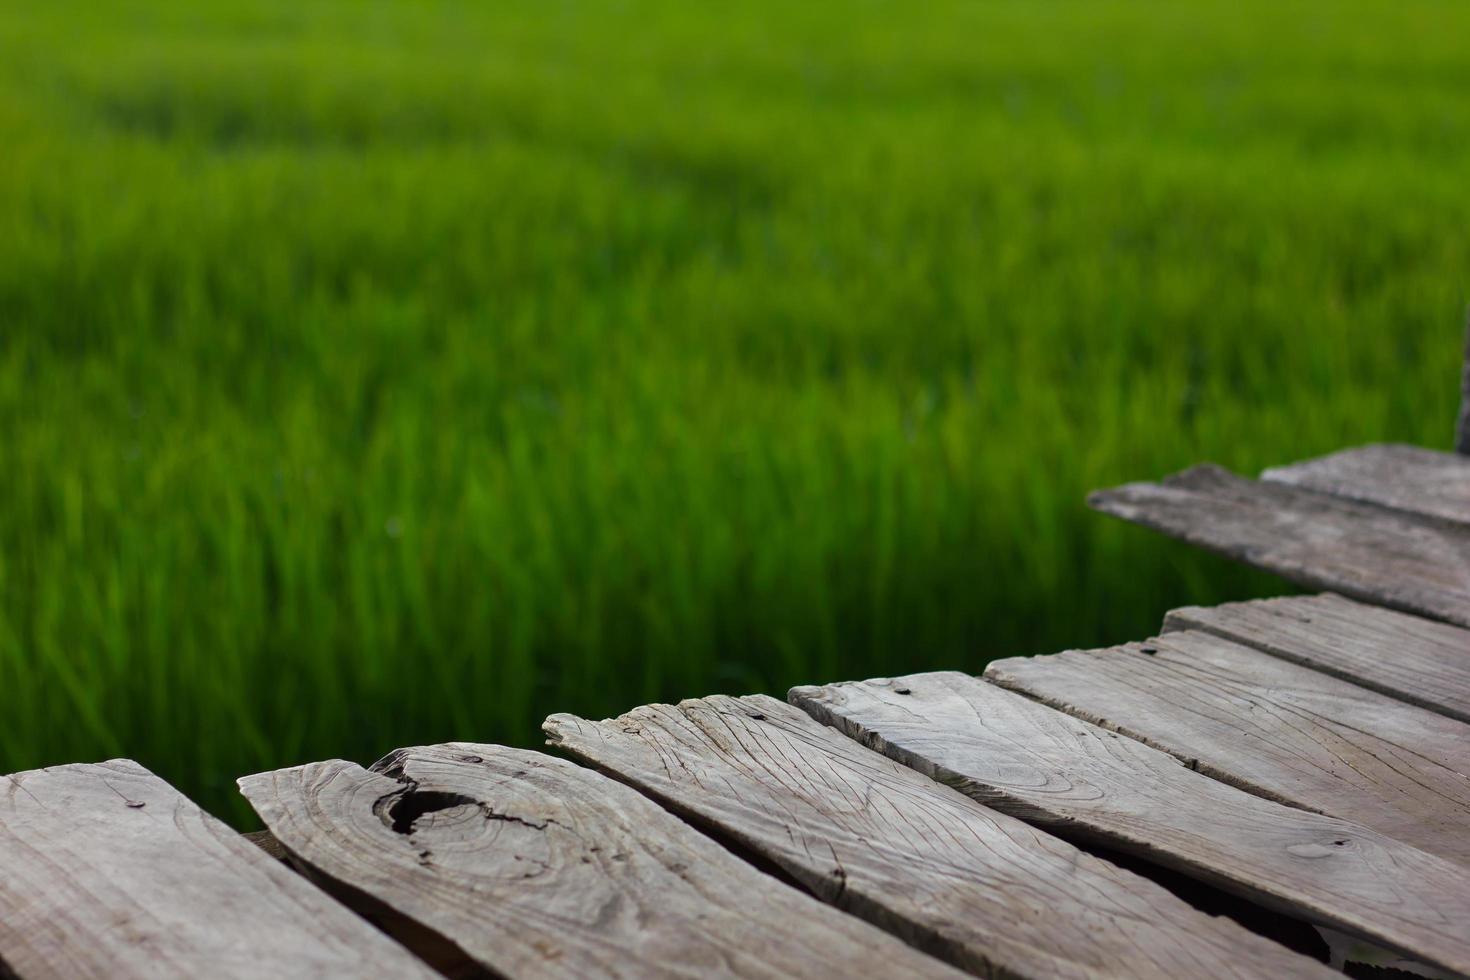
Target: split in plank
x=107, y=871
x=1407, y=657
x=1060, y=772
x=1406, y=478
x=531, y=866
x=983, y=890
x=1320, y=541
x=1274, y=728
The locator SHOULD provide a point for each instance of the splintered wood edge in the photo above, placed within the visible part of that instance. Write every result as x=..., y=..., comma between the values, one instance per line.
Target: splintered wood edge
x=267, y=842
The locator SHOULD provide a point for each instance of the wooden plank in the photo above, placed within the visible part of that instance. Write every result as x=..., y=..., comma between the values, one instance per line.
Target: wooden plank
x=532, y=866
x=1413, y=659
x=107, y=871
x=1274, y=728
x=1323, y=542
x=1060, y=772
x=976, y=887
x=1406, y=478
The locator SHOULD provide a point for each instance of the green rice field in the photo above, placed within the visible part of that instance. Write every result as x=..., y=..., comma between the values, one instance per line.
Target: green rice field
x=380, y=373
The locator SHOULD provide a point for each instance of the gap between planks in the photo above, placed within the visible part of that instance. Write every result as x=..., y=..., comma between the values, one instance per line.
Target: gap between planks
x=983, y=890
x=1419, y=661
x=1399, y=477
x=1062, y=773
x=533, y=867
x=1271, y=727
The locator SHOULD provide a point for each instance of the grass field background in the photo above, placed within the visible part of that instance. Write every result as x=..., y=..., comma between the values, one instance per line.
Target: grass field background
x=381, y=373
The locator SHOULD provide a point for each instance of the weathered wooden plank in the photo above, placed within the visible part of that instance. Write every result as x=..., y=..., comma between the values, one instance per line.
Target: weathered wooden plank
x=979, y=888
x=1406, y=478
x=1274, y=728
x=107, y=871
x=535, y=867
x=1385, y=557
x=1060, y=772
x=1416, y=660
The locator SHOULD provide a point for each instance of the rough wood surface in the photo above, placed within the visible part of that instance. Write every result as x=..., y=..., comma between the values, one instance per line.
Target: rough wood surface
x=535, y=867
x=1275, y=728
x=981, y=889
x=1060, y=772
x=1400, y=560
x=264, y=840
x=1406, y=478
x=1412, y=659
x=107, y=871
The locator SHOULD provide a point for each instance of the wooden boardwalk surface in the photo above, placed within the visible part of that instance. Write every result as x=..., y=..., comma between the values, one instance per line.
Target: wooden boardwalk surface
x=964, y=881
x=1273, y=728
x=1397, y=558
x=1195, y=804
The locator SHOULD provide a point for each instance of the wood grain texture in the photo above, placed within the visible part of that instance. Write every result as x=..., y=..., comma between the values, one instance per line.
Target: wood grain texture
x=1392, y=559
x=263, y=840
x=107, y=871
x=535, y=867
x=983, y=890
x=1062, y=773
x=1416, y=660
x=1274, y=728
x=1406, y=478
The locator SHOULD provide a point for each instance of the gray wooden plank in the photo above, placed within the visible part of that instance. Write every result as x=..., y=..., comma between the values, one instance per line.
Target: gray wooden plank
x=983, y=890
x=532, y=866
x=1406, y=478
x=1385, y=557
x=107, y=871
x=1416, y=660
x=1274, y=728
x=1063, y=773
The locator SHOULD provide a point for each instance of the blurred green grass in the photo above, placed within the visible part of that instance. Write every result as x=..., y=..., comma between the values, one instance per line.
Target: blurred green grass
x=383, y=373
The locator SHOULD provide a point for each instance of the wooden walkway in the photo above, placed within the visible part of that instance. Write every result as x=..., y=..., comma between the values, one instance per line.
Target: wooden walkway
x=1211, y=802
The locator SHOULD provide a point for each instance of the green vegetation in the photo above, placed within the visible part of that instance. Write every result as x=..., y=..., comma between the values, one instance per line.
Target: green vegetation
x=381, y=373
